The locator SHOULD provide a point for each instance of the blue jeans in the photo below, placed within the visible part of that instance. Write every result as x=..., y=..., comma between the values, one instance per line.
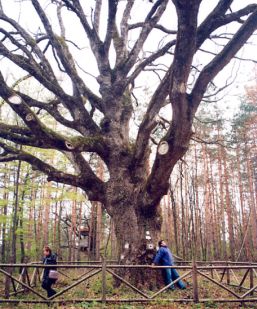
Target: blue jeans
x=169, y=275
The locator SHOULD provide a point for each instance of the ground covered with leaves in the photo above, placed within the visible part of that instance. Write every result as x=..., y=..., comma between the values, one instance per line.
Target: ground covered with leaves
x=130, y=306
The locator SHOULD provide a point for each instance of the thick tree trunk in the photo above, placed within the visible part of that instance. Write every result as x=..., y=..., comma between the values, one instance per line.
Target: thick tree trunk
x=133, y=232
x=137, y=232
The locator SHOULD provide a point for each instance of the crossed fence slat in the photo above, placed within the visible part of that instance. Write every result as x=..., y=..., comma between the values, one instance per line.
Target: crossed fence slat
x=216, y=273
x=248, y=292
x=128, y=284
x=234, y=275
x=167, y=286
x=23, y=284
x=218, y=283
x=104, y=268
x=244, y=277
x=75, y=284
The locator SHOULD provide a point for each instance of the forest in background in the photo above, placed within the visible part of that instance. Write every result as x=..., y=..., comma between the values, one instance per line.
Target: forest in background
x=210, y=211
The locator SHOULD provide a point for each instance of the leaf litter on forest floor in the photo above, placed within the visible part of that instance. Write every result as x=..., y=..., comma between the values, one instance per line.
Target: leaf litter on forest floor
x=93, y=288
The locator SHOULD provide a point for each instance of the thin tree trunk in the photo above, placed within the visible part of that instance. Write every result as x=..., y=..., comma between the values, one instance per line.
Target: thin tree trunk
x=98, y=230
x=21, y=214
x=79, y=235
x=214, y=223
x=33, y=194
x=222, y=207
x=207, y=205
x=174, y=215
x=229, y=208
x=15, y=214
x=15, y=222
x=197, y=206
x=74, y=226
x=113, y=241
x=242, y=207
x=4, y=212
x=46, y=214
x=59, y=237
x=252, y=199
x=183, y=230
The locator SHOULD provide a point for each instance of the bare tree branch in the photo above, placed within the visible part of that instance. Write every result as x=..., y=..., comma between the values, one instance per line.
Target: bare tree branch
x=97, y=12
x=179, y=135
x=60, y=20
x=112, y=10
x=153, y=108
x=124, y=29
x=151, y=20
x=159, y=27
x=66, y=58
x=223, y=58
x=217, y=18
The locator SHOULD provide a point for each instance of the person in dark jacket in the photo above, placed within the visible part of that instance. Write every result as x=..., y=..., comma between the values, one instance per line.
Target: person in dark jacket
x=164, y=258
x=49, y=259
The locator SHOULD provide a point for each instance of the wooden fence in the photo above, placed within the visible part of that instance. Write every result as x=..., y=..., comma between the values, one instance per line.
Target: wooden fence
x=239, y=280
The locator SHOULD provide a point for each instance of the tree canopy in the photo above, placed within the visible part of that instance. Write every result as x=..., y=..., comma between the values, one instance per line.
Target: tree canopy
x=97, y=112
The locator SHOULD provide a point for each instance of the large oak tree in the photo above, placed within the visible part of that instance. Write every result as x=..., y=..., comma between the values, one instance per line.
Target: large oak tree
x=132, y=194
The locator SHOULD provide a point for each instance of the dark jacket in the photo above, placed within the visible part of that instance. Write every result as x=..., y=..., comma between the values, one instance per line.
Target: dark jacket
x=49, y=260
x=164, y=257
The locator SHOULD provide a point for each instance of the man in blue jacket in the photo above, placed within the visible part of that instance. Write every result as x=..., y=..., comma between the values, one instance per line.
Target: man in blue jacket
x=164, y=258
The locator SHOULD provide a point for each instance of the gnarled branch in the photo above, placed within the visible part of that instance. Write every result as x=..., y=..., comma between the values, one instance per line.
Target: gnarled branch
x=87, y=180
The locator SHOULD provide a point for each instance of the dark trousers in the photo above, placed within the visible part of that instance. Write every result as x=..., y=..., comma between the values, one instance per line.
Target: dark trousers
x=46, y=285
x=171, y=274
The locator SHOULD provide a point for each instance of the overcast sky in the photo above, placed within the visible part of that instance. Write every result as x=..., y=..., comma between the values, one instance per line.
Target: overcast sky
x=24, y=12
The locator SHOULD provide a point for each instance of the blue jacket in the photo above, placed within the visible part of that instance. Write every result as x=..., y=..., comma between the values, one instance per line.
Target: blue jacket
x=164, y=257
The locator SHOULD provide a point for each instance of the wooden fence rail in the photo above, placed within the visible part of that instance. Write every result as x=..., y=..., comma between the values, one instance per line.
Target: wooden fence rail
x=220, y=274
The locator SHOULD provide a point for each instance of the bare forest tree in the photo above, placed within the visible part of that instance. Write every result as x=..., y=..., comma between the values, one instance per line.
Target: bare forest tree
x=132, y=194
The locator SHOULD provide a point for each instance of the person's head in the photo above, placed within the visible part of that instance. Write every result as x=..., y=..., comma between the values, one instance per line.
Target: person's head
x=162, y=243
x=47, y=251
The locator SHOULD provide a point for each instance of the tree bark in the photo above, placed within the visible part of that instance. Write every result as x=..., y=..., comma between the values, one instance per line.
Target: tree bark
x=131, y=230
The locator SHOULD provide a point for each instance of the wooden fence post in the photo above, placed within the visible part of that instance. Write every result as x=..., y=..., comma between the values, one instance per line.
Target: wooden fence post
x=228, y=274
x=251, y=280
x=195, y=283
x=103, y=280
x=212, y=271
x=34, y=277
x=7, y=285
